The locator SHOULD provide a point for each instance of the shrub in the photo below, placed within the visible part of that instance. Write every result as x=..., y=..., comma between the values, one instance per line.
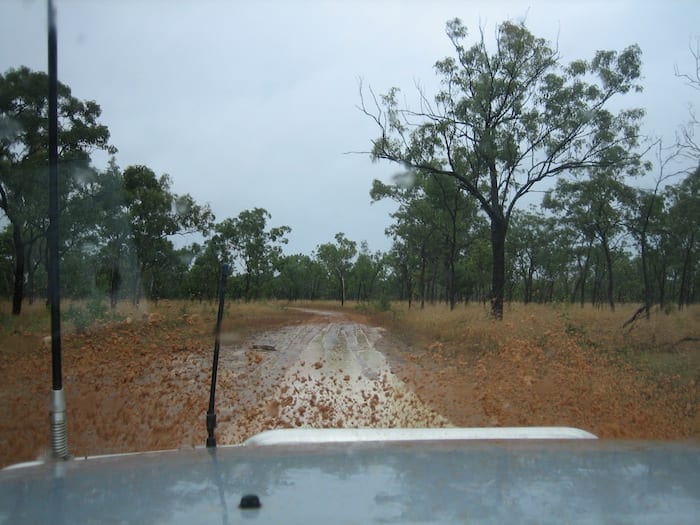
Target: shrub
x=83, y=316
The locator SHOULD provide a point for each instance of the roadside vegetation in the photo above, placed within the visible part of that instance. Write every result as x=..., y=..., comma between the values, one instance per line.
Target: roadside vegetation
x=549, y=365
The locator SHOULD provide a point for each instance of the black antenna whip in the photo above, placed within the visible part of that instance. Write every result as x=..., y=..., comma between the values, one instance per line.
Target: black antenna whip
x=211, y=415
x=59, y=443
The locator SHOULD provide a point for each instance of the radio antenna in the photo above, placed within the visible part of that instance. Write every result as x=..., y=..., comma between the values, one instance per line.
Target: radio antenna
x=211, y=414
x=59, y=443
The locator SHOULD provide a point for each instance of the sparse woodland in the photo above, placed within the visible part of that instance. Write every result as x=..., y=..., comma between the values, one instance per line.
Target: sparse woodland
x=520, y=185
x=544, y=269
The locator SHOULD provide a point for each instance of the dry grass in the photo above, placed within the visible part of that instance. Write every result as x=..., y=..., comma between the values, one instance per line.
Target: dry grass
x=469, y=329
x=35, y=318
x=561, y=365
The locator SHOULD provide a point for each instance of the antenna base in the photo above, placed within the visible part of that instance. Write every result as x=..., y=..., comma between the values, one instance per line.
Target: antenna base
x=59, y=440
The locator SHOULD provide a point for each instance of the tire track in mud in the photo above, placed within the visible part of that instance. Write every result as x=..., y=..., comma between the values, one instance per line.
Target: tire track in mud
x=324, y=374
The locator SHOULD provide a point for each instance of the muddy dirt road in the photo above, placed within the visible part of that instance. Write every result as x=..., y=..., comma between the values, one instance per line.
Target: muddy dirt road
x=144, y=385
x=324, y=373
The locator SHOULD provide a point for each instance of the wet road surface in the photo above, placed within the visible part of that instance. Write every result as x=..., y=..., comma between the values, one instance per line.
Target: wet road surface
x=326, y=373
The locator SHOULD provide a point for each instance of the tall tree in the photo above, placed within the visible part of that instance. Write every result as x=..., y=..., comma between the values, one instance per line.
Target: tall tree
x=403, y=265
x=415, y=245
x=436, y=218
x=531, y=248
x=507, y=119
x=113, y=228
x=594, y=206
x=258, y=248
x=299, y=277
x=684, y=228
x=248, y=241
x=154, y=214
x=365, y=271
x=24, y=157
x=337, y=259
x=644, y=216
x=202, y=278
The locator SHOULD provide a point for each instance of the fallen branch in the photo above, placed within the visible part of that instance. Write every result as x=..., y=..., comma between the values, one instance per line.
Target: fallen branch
x=267, y=348
x=634, y=318
x=686, y=340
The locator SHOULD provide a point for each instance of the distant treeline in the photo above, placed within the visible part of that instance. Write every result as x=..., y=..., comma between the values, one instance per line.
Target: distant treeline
x=572, y=250
x=597, y=238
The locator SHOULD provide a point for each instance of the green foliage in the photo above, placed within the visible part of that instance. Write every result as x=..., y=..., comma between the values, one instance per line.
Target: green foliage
x=594, y=207
x=300, y=277
x=435, y=225
x=85, y=314
x=382, y=304
x=244, y=242
x=336, y=258
x=114, y=225
x=24, y=164
x=138, y=213
x=506, y=120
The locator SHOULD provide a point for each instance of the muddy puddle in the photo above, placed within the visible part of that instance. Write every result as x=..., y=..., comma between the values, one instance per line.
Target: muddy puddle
x=327, y=373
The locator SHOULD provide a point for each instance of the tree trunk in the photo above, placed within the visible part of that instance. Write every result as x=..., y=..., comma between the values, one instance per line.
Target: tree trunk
x=584, y=275
x=608, y=264
x=683, y=294
x=18, y=290
x=451, y=288
x=498, y=249
x=246, y=291
x=527, y=281
x=421, y=283
x=140, y=270
x=342, y=290
x=29, y=288
x=661, y=279
x=114, y=284
x=409, y=286
x=645, y=276
x=451, y=280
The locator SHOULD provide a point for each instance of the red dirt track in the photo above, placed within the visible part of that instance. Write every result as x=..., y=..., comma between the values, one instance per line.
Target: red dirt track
x=143, y=385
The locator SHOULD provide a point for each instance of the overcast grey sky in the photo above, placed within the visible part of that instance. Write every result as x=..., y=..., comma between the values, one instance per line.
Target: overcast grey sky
x=251, y=104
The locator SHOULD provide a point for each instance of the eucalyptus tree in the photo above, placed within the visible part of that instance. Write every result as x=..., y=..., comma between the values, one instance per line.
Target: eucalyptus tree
x=258, y=248
x=337, y=259
x=684, y=229
x=455, y=222
x=645, y=218
x=594, y=206
x=299, y=277
x=248, y=242
x=113, y=229
x=366, y=271
x=24, y=158
x=416, y=246
x=154, y=213
x=477, y=269
x=532, y=248
x=203, y=275
x=507, y=119
x=402, y=264
x=436, y=218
